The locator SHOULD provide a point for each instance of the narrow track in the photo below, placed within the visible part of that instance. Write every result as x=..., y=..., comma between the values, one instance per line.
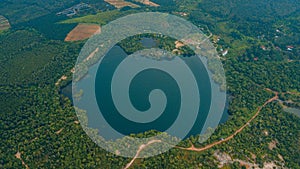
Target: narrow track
x=143, y=146
x=193, y=148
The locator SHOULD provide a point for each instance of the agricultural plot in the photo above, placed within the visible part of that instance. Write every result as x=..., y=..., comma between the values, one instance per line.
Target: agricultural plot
x=147, y=2
x=4, y=24
x=121, y=3
x=82, y=32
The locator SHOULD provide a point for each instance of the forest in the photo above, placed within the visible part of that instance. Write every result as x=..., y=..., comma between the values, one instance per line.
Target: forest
x=37, y=121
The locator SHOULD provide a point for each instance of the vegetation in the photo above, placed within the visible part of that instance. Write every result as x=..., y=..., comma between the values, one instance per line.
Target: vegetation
x=262, y=39
x=21, y=11
x=133, y=44
x=48, y=26
x=101, y=18
x=29, y=58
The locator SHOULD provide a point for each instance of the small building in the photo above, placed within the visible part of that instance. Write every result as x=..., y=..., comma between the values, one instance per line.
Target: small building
x=290, y=48
x=263, y=47
x=225, y=52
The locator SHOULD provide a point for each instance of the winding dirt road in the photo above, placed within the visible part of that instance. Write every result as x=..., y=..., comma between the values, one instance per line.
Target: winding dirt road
x=193, y=148
x=139, y=151
x=18, y=156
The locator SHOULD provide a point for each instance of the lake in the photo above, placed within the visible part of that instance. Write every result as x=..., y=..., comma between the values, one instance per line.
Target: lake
x=139, y=91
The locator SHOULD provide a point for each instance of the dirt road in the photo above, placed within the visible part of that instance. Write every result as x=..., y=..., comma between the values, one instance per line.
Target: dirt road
x=193, y=148
x=143, y=146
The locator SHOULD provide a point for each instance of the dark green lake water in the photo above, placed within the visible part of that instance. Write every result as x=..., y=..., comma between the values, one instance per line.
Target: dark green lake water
x=140, y=88
x=148, y=42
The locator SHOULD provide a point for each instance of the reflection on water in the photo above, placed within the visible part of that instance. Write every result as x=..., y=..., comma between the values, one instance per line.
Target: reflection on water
x=148, y=42
x=117, y=52
x=67, y=92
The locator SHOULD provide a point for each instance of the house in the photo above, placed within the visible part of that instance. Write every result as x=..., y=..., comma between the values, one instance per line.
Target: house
x=290, y=48
x=263, y=47
x=224, y=53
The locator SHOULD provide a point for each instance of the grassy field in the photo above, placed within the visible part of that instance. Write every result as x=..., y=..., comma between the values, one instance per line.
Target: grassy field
x=147, y=2
x=121, y=3
x=101, y=18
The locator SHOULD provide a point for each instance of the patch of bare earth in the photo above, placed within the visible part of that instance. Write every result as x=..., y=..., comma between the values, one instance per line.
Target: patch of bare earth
x=4, y=24
x=248, y=165
x=59, y=131
x=92, y=54
x=61, y=79
x=143, y=146
x=82, y=32
x=224, y=159
x=121, y=3
x=178, y=44
x=271, y=165
x=266, y=133
x=272, y=144
x=280, y=157
x=147, y=2
x=18, y=156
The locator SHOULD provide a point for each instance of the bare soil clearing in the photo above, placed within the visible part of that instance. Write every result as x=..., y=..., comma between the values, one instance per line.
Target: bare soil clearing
x=178, y=44
x=18, y=156
x=82, y=32
x=147, y=2
x=272, y=144
x=121, y=3
x=59, y=131
x=4, y=24
x=61, y=79
x=92, y=54
x=143, y=146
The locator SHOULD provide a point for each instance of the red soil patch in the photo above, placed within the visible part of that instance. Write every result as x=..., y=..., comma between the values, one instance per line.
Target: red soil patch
x=121, y=3
x=83, y=31
x=178, y=44
x=147, y=2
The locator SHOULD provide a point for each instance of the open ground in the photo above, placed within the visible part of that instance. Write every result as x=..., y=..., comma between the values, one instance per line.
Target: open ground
x=82, y=32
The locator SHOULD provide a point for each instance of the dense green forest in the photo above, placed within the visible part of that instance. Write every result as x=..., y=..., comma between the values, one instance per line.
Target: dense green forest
x=37, y=121
x=21, y=11
x=133, y=44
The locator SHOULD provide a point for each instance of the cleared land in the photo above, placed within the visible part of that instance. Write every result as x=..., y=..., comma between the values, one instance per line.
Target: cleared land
x=121, y=3
x=82, y=32
x=147, y=2
x=4, y=24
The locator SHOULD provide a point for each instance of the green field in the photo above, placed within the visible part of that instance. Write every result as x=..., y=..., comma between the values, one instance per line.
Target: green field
x=101, y=18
